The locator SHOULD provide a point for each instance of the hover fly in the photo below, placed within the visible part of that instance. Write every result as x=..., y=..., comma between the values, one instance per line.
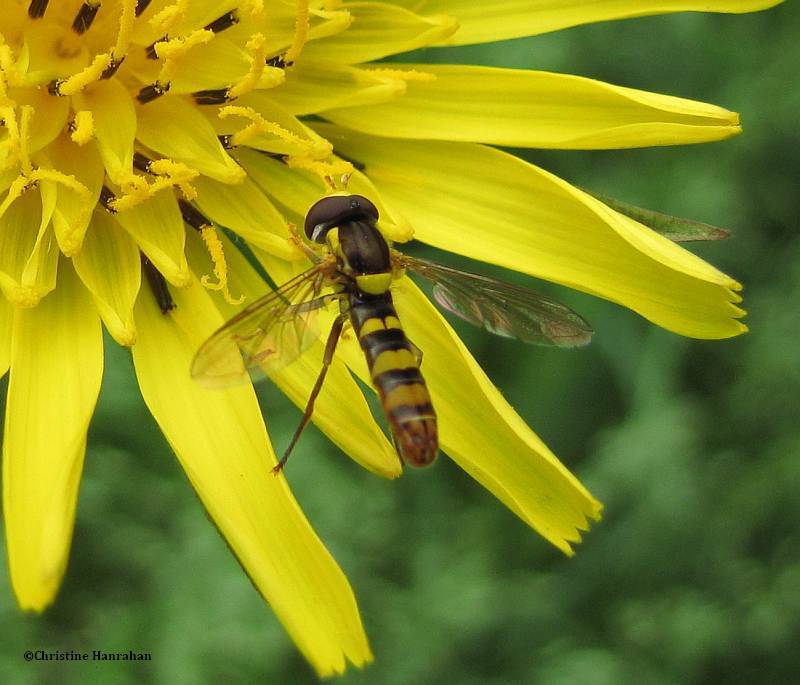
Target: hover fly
x=354, y=268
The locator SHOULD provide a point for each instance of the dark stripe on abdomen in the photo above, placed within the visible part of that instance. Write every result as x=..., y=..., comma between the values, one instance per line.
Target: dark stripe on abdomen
x=378, y=342
x=361, y=310
x=389, y=380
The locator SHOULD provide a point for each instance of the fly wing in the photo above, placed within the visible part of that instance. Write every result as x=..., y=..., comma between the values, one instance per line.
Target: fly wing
x=264, y=337
x=502, y=308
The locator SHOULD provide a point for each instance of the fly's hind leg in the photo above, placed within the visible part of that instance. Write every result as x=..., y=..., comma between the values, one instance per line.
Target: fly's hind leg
x=327, y=360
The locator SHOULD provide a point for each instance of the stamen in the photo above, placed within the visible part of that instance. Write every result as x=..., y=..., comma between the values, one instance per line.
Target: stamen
x=107, y=199
x=254, y=8
x=175, y=173
x=202, y=224
x=26, y=113
x=301, y=27
x=70, y=243
x=141, y=162
x=151, y=92
x=193, y=216
x=170, y=16
x=150, y=50
x=260, y=126
x=217, y=254
x=327, y=171
x=216, y=96
x=111, y=69
x=277, y=62
x=256, y=45
x=224, y=22
x=85, y=16
x=82, y=127
x=167, y=173
x=126, y=21
x=77, y=82
x=37, y=8
x=141, y=6
x=171, y=51
x=158, y=286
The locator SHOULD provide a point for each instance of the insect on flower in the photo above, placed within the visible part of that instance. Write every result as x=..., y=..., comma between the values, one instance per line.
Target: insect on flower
x=358, y=266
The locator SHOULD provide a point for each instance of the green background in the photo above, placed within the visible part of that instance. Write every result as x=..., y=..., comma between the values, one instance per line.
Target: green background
x=693, y=576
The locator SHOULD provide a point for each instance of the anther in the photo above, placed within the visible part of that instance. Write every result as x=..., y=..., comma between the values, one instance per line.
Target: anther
x=279, y=62
x=151, y=92
x=224, y=22
x=107, y=197
x=193, y=216
x=158, y=285
x=111, y=69
x=141, y=163
x=277, y=156
x=85, y=16
x=150, y=50
x=141, y=6
x=37, y=8
x=217, y=96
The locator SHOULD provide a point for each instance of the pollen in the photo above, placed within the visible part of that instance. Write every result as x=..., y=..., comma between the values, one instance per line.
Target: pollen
x=82, y=129
x=78, y=124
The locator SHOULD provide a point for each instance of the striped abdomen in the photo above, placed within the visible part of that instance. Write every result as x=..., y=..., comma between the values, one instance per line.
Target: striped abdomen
x=394, y=368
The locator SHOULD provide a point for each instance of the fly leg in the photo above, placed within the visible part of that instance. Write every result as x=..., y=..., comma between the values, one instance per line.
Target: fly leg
x=327, y=359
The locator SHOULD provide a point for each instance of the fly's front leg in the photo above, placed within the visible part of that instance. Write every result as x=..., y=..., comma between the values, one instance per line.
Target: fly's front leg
x=327, y=360
x=296, y=239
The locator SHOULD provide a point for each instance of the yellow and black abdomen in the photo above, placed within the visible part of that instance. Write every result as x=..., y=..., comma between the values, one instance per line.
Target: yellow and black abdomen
x=395, y=373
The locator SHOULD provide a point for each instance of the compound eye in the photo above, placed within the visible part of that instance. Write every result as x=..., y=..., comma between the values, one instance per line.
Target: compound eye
x=333, y=210
x=367, y=209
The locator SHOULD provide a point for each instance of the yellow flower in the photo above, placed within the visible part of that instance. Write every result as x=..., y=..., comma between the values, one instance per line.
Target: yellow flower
x=121, y=121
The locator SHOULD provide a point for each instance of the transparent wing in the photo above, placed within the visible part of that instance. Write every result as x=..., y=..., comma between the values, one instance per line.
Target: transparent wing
x=266, y=336
x=502, y=308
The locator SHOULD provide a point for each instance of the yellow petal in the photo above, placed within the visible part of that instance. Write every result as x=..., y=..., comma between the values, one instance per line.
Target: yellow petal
x=245, y=209
x=536, y=109
x=49, y=117
x=28, y=250
x=157, y=227
x=488, y=205
x=72, y=211
x=6, y=319
x=109, y=267
x=220, y=440
x=114, y=124
x=341, y=412
x=483, y=22
x=378, y=30
x=217, y=64
x=174, y=128
x=481, y=432
x=313, y=86
x=56, y=369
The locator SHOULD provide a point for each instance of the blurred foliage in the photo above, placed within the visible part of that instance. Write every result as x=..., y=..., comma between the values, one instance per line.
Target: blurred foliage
x=694, y=574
